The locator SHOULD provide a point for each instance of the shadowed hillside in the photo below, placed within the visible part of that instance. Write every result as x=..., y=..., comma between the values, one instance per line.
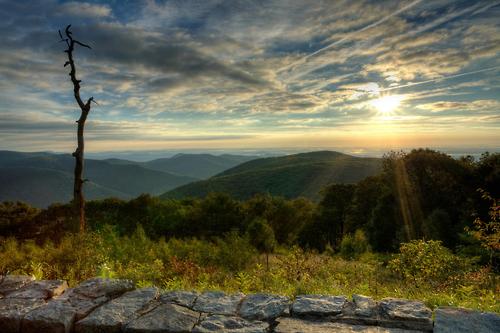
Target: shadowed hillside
x=199, y=166
x=43, y=178
x=289, y=176
x=40, y=187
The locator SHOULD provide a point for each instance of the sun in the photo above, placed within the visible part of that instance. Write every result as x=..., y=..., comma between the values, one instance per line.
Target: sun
x=386, y=105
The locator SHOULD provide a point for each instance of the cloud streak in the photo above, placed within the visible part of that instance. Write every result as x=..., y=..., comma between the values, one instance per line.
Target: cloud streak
x=238, y=72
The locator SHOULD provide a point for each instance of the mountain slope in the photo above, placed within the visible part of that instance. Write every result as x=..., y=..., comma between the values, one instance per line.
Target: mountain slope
x=51, y=176
x=197, y=165
x=289, y=176
x=42, y=187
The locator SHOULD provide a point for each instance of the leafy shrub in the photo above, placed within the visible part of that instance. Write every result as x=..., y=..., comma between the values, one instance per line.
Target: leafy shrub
x=353, y=246
x=427, y=263
x=261, y=235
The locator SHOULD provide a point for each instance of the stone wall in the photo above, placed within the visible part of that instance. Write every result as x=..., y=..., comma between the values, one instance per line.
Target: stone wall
x=109, y=305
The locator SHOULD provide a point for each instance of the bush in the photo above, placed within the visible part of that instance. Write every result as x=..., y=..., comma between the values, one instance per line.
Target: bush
x=427, y=263
x=352, y=247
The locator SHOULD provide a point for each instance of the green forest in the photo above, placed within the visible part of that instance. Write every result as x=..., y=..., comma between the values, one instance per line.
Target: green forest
x=425, y=227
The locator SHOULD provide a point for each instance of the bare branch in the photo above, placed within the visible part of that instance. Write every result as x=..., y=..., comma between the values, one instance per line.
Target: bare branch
x=84, y=45
x=68, y=33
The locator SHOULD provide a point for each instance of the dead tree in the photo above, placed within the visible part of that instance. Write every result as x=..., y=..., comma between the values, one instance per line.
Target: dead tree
x=78, y=199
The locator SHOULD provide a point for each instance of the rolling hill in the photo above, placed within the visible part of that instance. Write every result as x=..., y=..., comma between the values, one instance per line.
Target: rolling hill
x=44, y=178
x=199, y=166
x=289, y=176
x=42, y=187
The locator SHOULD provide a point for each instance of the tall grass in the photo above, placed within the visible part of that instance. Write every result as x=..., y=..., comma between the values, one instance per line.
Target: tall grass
x=231, y=264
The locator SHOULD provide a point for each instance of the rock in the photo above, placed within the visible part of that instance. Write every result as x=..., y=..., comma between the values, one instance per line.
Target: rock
x=364, y=306
x=405, y=314
x=263, y=306
x=42, y=289
x=54, y=317
x=112, y=316
x=217, y=302
x=98, y=287
x=164, y=318
x=58, y=315
x=318, y=305
x=230, y=324
x=293, y=325
x=10, y=283
x=455, y=320
x=184, y=298
x=80, y=304
x=13, y=310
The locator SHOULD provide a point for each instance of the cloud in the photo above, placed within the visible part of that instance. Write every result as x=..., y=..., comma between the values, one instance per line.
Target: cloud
x=84, y=10
x=196, y=69
x=477, y=105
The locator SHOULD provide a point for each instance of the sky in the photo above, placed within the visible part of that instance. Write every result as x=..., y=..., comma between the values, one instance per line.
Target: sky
x=291, y=74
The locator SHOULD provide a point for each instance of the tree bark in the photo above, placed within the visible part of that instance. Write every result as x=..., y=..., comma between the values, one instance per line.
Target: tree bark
x=78, y=198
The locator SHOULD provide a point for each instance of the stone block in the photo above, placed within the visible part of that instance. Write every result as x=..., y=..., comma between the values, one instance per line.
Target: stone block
x=180, y=297
x=456, y=320
x=13, y=310
x=217, y=302
x=264, y=306
x=10, y=283
x=164, y=318
x=403, y=313
x=40, y=289
x=112, y=316
x=318, y=305
x=293, y=325
x=54, y=317
x=230, y=324
x=364, y=306
x=99, y=287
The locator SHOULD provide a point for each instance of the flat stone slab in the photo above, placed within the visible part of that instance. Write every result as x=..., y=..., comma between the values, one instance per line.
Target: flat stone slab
x=112, y=316
x=59, y=314
x=230, y=324
x=184, y=298
x=13, y=310
x=293, y=325
x=318, y=305
x=451, y=320
x=217, y=302
x=264, y=307
x=364, y=306
x=396, y=308
x=54, y=317
x=41, y=289
x=98, y=287
x=168, y=318
x=405, y=314
x=10, y=283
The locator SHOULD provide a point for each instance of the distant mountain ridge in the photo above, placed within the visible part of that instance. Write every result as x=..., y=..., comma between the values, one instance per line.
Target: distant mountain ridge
x=290, y=176
x=199, y=166
x=41, y=178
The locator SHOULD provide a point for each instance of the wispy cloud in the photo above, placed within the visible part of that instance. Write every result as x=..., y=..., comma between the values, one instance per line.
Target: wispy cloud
x=248, y=72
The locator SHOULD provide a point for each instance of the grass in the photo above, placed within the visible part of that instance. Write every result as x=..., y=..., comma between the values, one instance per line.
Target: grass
x=231, y=264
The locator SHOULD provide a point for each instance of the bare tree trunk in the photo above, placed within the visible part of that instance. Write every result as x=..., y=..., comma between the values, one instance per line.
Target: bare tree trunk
x=78, y=199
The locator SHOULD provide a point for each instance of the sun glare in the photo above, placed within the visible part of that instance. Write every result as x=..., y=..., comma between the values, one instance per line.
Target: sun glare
x=386, y=105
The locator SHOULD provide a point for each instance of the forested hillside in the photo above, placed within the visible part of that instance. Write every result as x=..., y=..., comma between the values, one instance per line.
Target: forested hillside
x=45, y=178
x=292, y=176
